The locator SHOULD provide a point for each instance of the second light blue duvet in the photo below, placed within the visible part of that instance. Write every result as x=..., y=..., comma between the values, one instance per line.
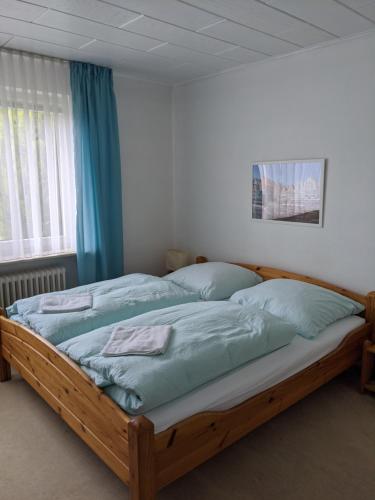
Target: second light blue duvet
x=208, y=340
x=113, y=300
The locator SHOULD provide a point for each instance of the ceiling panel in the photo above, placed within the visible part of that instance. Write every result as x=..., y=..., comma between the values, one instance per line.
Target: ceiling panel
x=169, y=76
x=171, y=11
x=177, y=74
x=122, y=54
x=181, y=55
x=90, y=9
x=177, y=40
x=249, y=38
x=4, y=38
x=363, y=7
x=180, y=36
x=306, y=35
x=355, y=4
x=326, y=14
x=43, y=48
x=106, y=51
x=250, y=13
x=184, y=73
x=99, y=56
x=95, y=30
x=242, y=55
x=20, y=10
x=267, y=19
x=41, y=33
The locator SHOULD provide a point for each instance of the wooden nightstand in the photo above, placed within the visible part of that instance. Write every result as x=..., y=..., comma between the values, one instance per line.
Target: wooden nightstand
x=368, y=361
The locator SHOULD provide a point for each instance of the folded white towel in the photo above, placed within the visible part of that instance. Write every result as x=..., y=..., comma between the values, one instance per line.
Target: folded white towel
x=62, y=303
x=141, y=340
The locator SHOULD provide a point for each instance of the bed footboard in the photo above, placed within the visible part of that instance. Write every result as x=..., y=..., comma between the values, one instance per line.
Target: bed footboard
x=125, y=444
x=71, y=394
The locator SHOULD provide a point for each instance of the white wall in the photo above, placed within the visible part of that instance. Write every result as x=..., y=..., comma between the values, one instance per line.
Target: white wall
x=144, y=111
x=318, y=103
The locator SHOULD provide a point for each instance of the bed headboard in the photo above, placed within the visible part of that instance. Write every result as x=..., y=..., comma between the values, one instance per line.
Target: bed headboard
x=269, y=273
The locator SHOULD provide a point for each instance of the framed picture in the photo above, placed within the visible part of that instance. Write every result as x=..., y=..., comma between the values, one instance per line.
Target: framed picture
x=288, y=191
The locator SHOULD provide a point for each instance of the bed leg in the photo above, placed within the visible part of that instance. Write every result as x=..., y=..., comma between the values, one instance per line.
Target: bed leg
x=5, y=373
x=370, y=312
x=367, y=365
x=142, y=459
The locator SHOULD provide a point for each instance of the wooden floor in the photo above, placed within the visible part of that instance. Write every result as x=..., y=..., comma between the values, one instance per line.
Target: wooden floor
x=322, y=448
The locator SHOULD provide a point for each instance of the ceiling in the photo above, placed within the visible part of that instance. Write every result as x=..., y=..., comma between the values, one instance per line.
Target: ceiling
x=173, y=41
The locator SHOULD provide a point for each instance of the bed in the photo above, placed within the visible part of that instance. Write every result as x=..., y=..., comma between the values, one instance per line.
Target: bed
x=150, y=451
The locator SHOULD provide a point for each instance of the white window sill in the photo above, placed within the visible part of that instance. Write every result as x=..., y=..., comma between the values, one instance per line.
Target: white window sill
x=36, y=259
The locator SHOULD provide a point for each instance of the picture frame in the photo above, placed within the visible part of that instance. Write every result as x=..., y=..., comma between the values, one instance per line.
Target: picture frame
x=288, y=191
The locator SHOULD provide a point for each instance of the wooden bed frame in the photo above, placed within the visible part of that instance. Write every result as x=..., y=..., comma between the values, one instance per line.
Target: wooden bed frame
x=143, y=460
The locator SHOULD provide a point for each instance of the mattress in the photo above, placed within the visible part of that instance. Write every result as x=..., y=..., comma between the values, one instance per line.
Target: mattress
x=254, y=377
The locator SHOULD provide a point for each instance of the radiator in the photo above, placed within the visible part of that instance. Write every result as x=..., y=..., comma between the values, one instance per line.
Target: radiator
x=21, y=285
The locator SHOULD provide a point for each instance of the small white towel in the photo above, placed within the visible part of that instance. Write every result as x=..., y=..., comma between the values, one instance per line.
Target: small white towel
x=138, y=340
x=63, y=303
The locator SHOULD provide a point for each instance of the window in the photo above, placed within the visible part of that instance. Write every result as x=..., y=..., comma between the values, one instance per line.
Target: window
x=37, y=190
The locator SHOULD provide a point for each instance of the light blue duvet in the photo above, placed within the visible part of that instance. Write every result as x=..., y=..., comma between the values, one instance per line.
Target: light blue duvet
x=113, y=300
x=208, y=340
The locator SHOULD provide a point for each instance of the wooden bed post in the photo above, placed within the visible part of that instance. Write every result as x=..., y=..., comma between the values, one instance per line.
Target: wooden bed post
x=370, y=312
x=5, y=372
x=200, y=259
x=142, y=482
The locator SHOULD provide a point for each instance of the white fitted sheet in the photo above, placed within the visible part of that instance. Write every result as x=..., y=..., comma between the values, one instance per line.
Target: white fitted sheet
x=254, y=377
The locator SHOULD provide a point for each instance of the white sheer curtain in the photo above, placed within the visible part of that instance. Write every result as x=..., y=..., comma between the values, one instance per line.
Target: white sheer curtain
x=37, y=189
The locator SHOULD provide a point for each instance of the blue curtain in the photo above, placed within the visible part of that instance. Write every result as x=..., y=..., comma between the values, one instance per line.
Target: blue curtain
x=98, y=173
